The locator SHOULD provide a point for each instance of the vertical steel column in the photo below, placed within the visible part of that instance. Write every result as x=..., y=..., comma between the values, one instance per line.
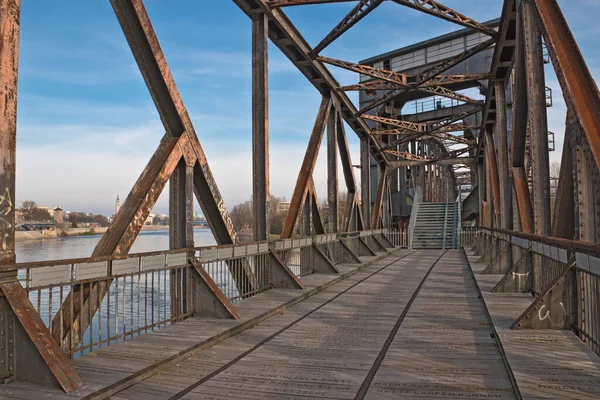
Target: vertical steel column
x=503, y=171
x=493, y=175
x=260, y=125
x=519, y=134
x=181, y=229
x=332, y=170
x=365, y=178
x=489, y=213
x=181, y=207
x=536, y=95
x=9, y=63
x=538, y=127
x=585, y=197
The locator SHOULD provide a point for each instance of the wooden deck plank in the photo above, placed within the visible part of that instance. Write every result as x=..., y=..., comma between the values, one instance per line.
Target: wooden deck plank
x=110, y=364
x=545, y=363
x=437, y=344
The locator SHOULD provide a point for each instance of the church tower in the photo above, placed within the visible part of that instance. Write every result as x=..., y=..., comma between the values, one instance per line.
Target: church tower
x=117, y=205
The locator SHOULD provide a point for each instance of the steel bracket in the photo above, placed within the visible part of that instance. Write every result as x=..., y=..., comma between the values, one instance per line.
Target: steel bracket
x=209, y=300
x=556, y=308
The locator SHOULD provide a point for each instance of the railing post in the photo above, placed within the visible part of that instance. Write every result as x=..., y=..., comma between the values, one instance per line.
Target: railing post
x=260, y=125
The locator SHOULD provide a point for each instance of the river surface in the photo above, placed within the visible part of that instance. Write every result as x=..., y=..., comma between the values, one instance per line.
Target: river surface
x=82, y=246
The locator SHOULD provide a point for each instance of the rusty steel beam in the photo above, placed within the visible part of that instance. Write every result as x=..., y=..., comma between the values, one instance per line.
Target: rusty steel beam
x=404, y=81
x=181, y=206
x=563, y=223
x=361, y=10
x=412, y=126
x=307, y=168
x=407, y=156
x=385, y=75
x=288, y=39
x=119, y=238
x=37, y=332
x=380, y=84
x=538, y=120
x=180, y=139
x=519, y=134
x=467, y=161
x=365, y=178
x=332, y=169
x=437, y=9
x=345, y=158
x=260, y=126
x=378, y=206
x=429, y=74
x=313, y=202
x=567, y=58
x=493, y=174
x=148, y=54
x=10, y=12
x=502, y=65
x=503, y=169
x=430, y=7
x=431, y=129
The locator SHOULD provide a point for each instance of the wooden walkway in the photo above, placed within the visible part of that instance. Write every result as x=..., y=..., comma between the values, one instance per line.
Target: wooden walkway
x=546, y=364
x=405, y=325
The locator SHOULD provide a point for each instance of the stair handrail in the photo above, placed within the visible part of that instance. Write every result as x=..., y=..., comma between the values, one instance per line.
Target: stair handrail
x=458, y=220
x=417, y=199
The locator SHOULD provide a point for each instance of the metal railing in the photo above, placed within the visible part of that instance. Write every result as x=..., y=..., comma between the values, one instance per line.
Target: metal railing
x=417, y=199
x=431, y=104
x=127, y=296
x=467, y=236
x=578, y=263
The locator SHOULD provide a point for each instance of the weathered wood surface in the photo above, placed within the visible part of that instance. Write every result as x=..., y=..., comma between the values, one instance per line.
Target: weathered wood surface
x=409, y=325
x=109, y=365
x=547, y=364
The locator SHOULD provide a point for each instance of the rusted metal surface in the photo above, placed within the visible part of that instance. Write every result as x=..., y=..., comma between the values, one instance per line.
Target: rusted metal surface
x=213, y=291
x=332, y=169
x=130, y=221
x=288, y=39
x=10, y=11
x=307, y=168
x=412, y=126
x=260, y=126
x=563, y=220
x=146, y=49
x=440, y=80
x=378, y=206
x=579, y=83
x=538, y=121
x=345, y=158
x=429, y=74
x=502, y=63
x=361, y=10
x=503, y=170
x=42, y=339
x=493, y=174
x=524, y=200
x=401, y=80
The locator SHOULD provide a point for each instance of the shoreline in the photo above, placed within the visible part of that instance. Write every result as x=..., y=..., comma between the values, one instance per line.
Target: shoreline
x=21, y=236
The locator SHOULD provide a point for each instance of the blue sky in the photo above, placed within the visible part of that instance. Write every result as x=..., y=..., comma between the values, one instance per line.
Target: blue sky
x=87, y=125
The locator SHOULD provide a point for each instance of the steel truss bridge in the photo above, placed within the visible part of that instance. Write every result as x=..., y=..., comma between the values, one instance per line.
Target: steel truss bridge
x=341, y=309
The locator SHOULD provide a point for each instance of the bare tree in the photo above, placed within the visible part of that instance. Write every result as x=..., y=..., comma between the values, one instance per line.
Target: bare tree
x=31, y=212
x=555, y=170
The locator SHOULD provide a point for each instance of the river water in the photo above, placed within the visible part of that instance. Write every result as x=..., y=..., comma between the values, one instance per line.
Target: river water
x=83, y=246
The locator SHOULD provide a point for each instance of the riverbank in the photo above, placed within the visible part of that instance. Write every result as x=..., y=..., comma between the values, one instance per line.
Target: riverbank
x=53, y=234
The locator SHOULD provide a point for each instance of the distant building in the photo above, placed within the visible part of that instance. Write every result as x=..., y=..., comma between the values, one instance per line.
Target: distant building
x=150, y=219
x=283, y=206
x=58, y=215
x=117, y=205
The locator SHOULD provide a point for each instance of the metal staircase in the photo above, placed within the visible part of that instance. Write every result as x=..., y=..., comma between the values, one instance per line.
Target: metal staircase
x=436, y=226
